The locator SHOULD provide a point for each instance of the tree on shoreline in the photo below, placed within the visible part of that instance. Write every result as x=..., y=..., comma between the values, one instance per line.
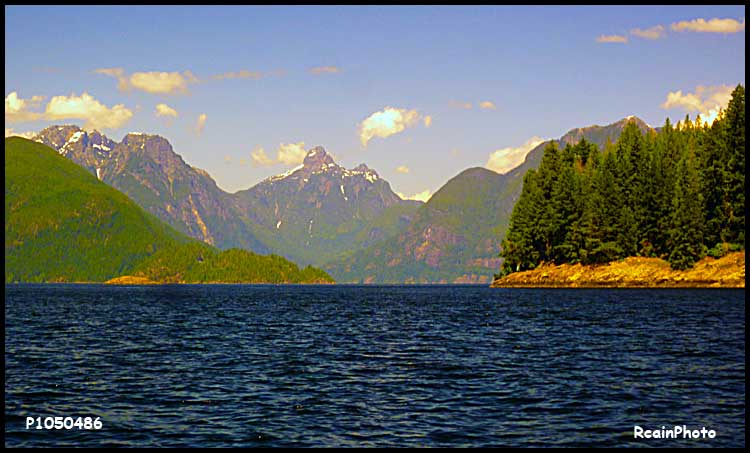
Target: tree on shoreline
x=676, y=194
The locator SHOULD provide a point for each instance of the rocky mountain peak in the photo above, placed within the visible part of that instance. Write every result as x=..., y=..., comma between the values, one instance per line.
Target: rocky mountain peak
x=140, y=137
x=317, y=158
x=639, y=122
x=600, y=134
x=58, y=136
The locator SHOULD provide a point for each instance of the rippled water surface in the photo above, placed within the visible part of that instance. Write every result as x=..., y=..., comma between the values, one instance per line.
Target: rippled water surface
x=280, y=366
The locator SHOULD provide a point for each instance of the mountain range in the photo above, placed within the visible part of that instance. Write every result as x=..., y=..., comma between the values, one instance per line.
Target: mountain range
x=455, y=237
x=347, y=221
x=62, y=224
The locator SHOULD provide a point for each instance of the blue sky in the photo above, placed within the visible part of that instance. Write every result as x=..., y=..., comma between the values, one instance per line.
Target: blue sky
x=536, y=71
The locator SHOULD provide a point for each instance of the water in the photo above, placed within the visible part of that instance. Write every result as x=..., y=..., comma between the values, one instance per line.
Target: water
x=444, y=366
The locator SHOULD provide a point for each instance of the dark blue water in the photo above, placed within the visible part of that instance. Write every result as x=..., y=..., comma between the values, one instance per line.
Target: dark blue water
x=372, y=366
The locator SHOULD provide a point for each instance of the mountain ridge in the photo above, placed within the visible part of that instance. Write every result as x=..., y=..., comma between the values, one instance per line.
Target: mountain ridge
x=320, y=209
x=450, y=240
x=63, y=224
x=146, y=168
x=319, y=212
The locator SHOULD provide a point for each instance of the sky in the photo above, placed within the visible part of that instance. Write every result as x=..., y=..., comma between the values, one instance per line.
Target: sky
x=418, y=93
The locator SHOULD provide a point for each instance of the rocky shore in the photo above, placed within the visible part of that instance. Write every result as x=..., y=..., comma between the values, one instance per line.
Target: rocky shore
x=134, y=280
x=634, y=272
x=130, y=280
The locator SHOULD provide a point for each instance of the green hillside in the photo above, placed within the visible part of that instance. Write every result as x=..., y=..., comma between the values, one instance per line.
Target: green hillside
x=200, y=263
x=450, y=238
x=64, y=225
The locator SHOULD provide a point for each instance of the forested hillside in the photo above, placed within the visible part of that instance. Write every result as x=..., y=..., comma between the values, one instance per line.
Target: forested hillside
x=62, y=224
x=200, y=263
x=677, y=194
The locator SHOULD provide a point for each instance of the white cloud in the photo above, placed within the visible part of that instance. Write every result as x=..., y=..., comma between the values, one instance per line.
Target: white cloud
x=243, y=74
x=421, y=196
x=259, y=157
x=387, y=122
x=286, y=154
x=201, y=123
x=654, y=32
x=402, y=169
x=612, y=38
x=325, y=69
x=9, y=132
x=154, y=82
x=162, y=82
x=707, y=101
x=17, y=109
x=291, y=153
x=714, y=25
x=165, y=110
x=122, y=81
x=460, y=105
x=505, y=159
x=86, y=107
x=487, y=105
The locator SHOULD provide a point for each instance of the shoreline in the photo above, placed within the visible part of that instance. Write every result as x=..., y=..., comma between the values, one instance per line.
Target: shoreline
x=633, y=272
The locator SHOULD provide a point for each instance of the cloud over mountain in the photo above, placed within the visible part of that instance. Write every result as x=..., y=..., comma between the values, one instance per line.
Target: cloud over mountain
x=165, y=110
x=505, y=159
x=84, y=107
x=706, y=100
x=17, y=109
x=387, y=122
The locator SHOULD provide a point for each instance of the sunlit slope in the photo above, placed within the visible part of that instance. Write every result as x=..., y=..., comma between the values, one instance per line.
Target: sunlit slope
x=63, y=224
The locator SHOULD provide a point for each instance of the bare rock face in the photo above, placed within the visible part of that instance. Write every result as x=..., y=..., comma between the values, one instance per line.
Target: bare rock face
x=601, y=134
x=91, y=150
x=320, y=210
x=317, y=159
x=146, y=168
x=309, y=214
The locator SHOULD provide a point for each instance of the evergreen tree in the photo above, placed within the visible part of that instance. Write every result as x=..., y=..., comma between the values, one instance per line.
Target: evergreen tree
x=551, y=218
x=602, y=213
x=734, y=137
x=686, y=232
x=568, y=200
x=521, y=248
x=713, y=179
x=632, y=166
x=653, y=183
x=582, y=231
x=672, y=194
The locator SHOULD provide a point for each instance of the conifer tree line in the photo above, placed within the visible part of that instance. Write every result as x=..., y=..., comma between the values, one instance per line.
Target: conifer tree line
x=676, y=194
